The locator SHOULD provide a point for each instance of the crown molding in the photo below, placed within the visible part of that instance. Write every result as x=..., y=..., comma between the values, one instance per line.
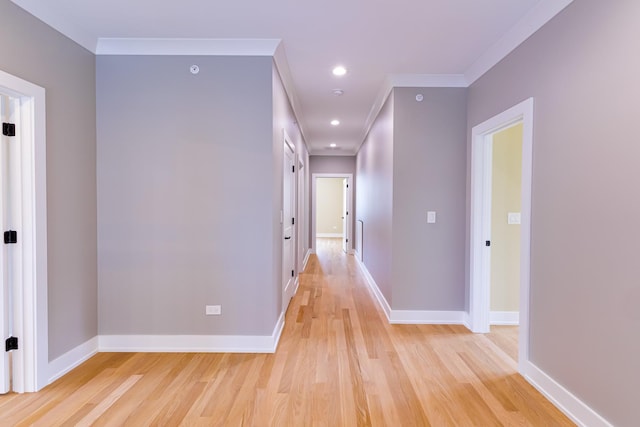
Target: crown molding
x=186, y=47
x=428, y=80
x=541, y=13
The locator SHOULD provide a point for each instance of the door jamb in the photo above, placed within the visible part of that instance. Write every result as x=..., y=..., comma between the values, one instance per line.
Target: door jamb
x=285, y=299
x=30, y=321
x=349, y=178
x=481, y=136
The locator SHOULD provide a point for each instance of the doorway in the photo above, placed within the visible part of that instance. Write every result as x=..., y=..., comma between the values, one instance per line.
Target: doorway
x=288, y=222
x=23, y=270
x=331, y=199
x=481, y=244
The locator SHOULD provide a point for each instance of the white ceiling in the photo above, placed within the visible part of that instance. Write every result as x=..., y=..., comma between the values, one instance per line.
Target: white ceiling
x=382, y=43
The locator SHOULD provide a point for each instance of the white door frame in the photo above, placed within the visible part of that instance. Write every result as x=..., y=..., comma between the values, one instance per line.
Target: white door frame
x=314, y=178
x=301, y=219
x=289, y=291
x=31, y=361
x=480, y=267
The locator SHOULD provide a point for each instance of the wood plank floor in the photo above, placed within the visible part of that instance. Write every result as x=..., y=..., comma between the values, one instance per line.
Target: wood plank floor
x=339, y=363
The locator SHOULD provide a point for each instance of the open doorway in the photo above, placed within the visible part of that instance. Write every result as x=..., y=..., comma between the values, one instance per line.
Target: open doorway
x=331, y=199
x=23, y=273
x=500, y=244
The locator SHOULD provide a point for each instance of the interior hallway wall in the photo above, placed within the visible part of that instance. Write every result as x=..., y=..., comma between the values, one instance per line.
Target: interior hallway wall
x=186, y=190
x=582, y=73
x=374, y=198
x=35, y=52
x=429, y=170
x=284, y=119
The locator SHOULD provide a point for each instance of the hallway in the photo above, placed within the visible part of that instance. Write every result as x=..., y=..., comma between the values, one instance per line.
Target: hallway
x=339, y=363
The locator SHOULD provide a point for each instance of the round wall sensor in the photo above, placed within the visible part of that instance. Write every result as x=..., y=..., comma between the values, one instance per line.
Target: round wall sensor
x=419, y=97
x=194, y=69
x=338, y=92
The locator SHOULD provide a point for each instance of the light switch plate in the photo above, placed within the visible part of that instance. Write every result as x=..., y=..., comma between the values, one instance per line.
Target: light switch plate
x=513, y=218
x=213, y=310
x=431, y=217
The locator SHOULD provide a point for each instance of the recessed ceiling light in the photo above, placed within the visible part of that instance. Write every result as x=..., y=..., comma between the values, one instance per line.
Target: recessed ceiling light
x=333, y=145
x=339, y=71
x=335, y=122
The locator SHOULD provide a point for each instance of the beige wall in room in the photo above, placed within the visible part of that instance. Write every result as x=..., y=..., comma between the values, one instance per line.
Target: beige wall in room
x=505, y=238
x=329, y=205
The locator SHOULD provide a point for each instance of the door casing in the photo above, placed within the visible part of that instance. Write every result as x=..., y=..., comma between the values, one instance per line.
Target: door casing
x=480, y=221
x=349, y=178
x=30, y=321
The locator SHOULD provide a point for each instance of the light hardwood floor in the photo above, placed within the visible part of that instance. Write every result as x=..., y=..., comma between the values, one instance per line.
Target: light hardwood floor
x=339, y=363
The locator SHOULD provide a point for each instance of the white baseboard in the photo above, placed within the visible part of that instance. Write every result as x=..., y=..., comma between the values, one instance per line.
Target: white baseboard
x=504, y=318
x=466, y=321
x=193, y=343
x=306, y=259
x=562, y=398
x=72, y=359
x=410, y=317
x=427, y=317
x=382, y=301
x=329, y=235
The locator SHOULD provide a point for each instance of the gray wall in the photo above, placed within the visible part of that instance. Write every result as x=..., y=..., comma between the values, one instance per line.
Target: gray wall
x=582, y=69
x=185, y=195
x=429, y=170
x=374, y=198
x=333, y=164
x=33, y=51
x=284, y=119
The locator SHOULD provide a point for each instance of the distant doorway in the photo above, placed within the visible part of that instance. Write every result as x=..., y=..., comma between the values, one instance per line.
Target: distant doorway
x=331, y=210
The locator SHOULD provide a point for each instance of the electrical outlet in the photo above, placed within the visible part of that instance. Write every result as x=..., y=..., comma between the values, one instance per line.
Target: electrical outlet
x=213, y=310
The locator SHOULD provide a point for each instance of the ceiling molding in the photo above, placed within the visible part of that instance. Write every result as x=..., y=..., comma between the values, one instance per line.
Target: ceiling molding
x=186, y=47
x=282, y=66
x=541, y=13
x=58, y=20
x=428, y=80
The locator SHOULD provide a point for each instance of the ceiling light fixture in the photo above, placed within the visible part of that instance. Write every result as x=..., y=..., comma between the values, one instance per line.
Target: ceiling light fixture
x=333, y=145
x=339, y=71
x=335, y=122
x=338, y=92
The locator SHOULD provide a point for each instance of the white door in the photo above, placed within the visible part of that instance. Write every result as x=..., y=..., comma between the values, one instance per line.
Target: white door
x=6, y=297
x=345, y=215
x=288, y=226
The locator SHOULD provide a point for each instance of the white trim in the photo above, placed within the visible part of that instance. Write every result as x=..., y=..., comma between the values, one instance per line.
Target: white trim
x=31, y=321
x=170, y=46
x=193, y=343
x=329, y=235
x=563, y=399
x=504, y=318
x=382, y=301
x=72, y=359
x=410, y=317
x=349, y=222
x=426, y=317
x=306, y=259
x=428, y=80
x=479, y=285
x=537, y=17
